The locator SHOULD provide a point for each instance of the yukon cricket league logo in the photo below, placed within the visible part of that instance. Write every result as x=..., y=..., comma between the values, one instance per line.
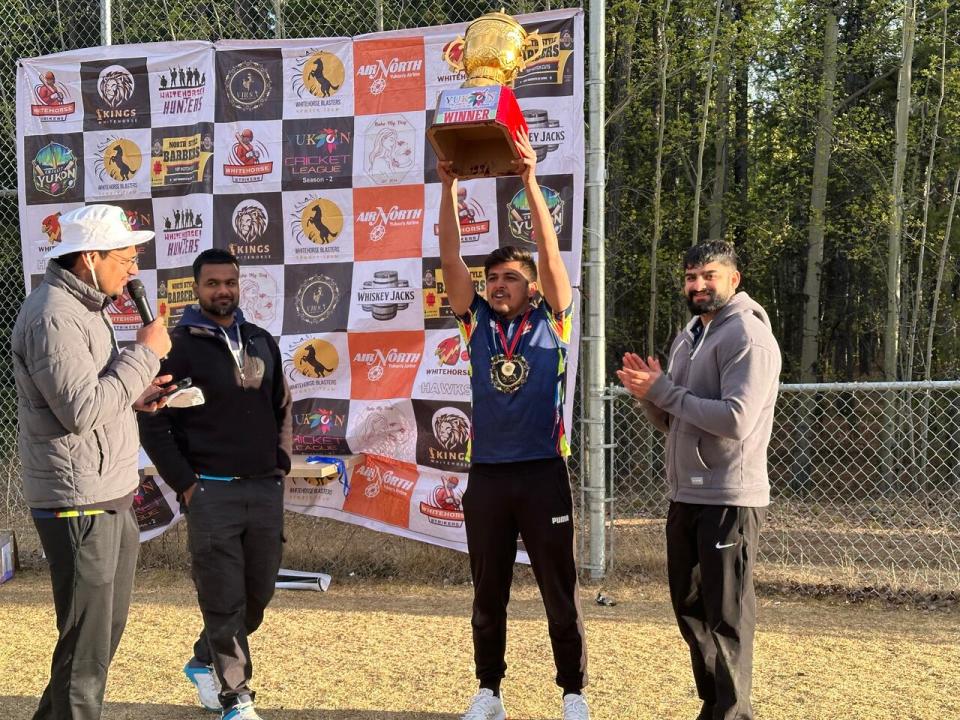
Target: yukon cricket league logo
x=248, y=161
x=317, y=298
x=391, y=151
x=380, y=220
x=472, y=217
x=381, y=72
x=445, y=507
x=519, y=220
x=320, y=426
x=248, y=85
x=182, y=90
x=55, y=170
x=315, y=223
x=385, y=295
x=179, y=157
x=316, y=79
x=258, y=296
x=118, y=162
x=51, y=99
x=317, y=153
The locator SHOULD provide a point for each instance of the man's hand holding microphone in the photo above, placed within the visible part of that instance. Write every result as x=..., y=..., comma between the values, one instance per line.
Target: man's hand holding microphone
x=153, y=335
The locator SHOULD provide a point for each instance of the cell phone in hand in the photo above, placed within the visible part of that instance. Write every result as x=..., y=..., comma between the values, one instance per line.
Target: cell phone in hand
x=179, y=385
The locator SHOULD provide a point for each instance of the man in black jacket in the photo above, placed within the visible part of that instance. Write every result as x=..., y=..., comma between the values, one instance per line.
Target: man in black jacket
x=226, y=459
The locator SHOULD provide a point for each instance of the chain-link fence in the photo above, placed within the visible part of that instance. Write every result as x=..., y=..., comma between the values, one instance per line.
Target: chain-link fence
x=865, y=485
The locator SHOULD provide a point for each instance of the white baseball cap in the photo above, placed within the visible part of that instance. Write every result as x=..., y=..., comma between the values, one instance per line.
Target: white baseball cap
x=96, y=227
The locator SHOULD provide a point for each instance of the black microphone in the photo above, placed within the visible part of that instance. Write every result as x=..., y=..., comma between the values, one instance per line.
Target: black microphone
x=138, y=293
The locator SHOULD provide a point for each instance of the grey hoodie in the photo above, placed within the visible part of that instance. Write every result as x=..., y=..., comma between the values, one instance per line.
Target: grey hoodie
x=715, y=402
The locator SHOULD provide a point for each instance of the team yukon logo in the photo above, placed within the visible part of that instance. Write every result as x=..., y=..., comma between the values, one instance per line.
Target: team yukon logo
x=381, y=479
x=446, y=503
x=320, y=75
x=54, y=170
x=382, y=71
x=248, y=159
x=317, y=298
x=182, y=90
x=119, y=160
x=314, y=359
x=473, y=219
x=378, y=361
x=518, y=211
x=248, y=86
x=51, y=99
x=318, y=221
x=381, y=219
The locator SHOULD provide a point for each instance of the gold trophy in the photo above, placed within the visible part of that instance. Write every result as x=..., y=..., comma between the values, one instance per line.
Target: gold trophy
x=475, y=125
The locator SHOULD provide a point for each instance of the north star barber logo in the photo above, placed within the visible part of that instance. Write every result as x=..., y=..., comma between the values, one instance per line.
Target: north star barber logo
x=385, y=480
x=248, y=159
x=115, y=86
x=315, y=223
x=451, y=429
x=378, y=361
x=118, y=161
x=435, y=302
x=380, y=220
x=182, y=231
x=315, y=359
x=382, y=71
x=248, y=86
x=182, y=90
x=518, y=212
x=54, y=170
x=390, y=149
x=174, y=294
x=316, y=79
x=546, y=135
x=312, y=158
x=317, y=298
x=385, y=295
x=258, y=295
x=473, y=222
x=180, y=159
x=51, y=99
x=552, y=68
x=446, y=503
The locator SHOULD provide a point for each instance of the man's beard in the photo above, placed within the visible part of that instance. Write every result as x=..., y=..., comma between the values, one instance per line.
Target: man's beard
x=220, y=310
x=714, y=303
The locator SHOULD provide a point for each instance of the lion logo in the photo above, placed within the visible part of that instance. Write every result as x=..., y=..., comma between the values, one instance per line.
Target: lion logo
x=451, y=428
x=115, y=85
x=250, y=221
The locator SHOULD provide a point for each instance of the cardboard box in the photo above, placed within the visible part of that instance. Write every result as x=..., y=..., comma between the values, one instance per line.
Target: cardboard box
x=8, y=554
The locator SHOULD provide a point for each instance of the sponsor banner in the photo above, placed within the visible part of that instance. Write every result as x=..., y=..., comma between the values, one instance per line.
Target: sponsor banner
x=476, y=210
x=182, y=86
x=174, y=294
x=116, y=94
x=386, y=294
x=140, y=215
x=250, y=227
x=123, y=311
x=319, y=80
x=443, y=434
x=384, y=428
x=320, y=426
x=513, y=210
x=318, y=226
x=183, y=227
x=318, y=153
x=317, y=297
x=437, y=508
x=181, y=159
x=389, y=75
x=50, y=94
x=381, y=489
x=437, y=312
x=117, y=164
x=555, y=135
x=389, y=149
x=247, y=157
x=387, y=222
x=261, y=296
x=444, y=372
x=53, y=168
x=39, y=234
x=559, y=69
x=440, y=76
x=249, y=85
x=384, y=365
x=316, y=365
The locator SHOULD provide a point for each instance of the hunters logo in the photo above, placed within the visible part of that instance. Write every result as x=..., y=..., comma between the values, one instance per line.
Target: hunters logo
x=390, y=75
x=546, y=135
x=248, y=159
x=248, y=86
x=384, y=365
x=317, y=299
x=385, y=295
x=119, y=160
x=249, y=221
x=388, y=223
x=473, y=222
x=180, y=158
x=518, y=212
x=382, y=491
x=54, y=170
x=390, y=149
x=316, y=79
x=552, y=72
x=315, y=359
x=51, y=99
x=317, y=153
x=182, y=90
x=174, y=294
x=320, y=426
x=436, y=305
x=258, y=296
x=182, y=233
x=446, y=503
x=315, y=223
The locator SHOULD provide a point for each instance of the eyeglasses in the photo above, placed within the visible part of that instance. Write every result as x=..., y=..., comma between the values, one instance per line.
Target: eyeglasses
x=128, y=262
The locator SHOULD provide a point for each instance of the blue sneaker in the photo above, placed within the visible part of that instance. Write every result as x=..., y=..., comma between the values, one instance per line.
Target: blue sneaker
x=241, y=711
x=205, y=680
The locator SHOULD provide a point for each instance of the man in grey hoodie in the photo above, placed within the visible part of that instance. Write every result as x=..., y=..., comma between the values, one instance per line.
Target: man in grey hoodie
x=715, y=402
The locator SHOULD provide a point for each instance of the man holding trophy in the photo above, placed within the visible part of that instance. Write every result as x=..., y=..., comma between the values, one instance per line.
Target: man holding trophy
x=517, y=337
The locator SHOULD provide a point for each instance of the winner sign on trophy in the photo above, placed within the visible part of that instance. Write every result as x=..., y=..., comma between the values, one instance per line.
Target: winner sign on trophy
x=475, y=125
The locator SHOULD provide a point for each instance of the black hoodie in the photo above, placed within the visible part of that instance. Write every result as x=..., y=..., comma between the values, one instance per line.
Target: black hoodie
x=244, y=427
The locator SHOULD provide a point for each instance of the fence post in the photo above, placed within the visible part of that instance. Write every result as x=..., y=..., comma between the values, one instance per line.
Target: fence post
x=595, y=480
x=106, y=22
x=380, y=15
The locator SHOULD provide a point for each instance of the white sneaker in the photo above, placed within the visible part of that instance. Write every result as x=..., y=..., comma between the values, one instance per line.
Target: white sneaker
x=575, y=707
x=485, y=706
x=207, y=684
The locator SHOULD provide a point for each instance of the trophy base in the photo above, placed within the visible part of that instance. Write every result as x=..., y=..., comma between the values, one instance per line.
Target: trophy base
x=474, y=129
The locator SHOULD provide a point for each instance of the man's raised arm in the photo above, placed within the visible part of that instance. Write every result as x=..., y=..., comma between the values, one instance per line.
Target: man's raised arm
x=456, y=276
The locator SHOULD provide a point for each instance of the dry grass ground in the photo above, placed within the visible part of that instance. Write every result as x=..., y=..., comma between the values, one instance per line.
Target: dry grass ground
x=386, y=651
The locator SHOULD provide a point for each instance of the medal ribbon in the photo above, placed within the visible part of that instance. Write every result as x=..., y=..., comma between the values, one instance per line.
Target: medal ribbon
x=509, y=350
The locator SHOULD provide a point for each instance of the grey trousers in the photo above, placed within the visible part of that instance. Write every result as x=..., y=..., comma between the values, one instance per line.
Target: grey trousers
x=92, y=562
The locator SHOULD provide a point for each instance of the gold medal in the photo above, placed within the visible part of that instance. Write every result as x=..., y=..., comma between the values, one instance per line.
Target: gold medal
x=509, y=368
x=508, y=374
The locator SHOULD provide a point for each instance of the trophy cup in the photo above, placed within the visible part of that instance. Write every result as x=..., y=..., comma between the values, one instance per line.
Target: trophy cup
x=474, y=126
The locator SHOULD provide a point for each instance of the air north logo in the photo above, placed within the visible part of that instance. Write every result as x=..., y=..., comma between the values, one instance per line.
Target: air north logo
x=473, y=219
x=445, y=507
x=379, y=219
x=248, y=159
x=182, y=90
x=389, y=75
x=382, y=492
x=384, y=365
x=54, y=170
x=388, y=223
x=51, y=99
x=317, y=78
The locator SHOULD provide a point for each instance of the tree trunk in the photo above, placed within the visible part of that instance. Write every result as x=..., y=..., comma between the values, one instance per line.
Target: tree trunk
x=741, y=134
x=704, y=116
x=658, y=176
x=715, y=231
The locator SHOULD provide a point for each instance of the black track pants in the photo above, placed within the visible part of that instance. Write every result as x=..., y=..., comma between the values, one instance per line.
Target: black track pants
x=533, y=499
x=711, y=551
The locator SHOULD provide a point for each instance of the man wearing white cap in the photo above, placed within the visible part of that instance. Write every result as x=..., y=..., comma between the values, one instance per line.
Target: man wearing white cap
x=78, y=445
